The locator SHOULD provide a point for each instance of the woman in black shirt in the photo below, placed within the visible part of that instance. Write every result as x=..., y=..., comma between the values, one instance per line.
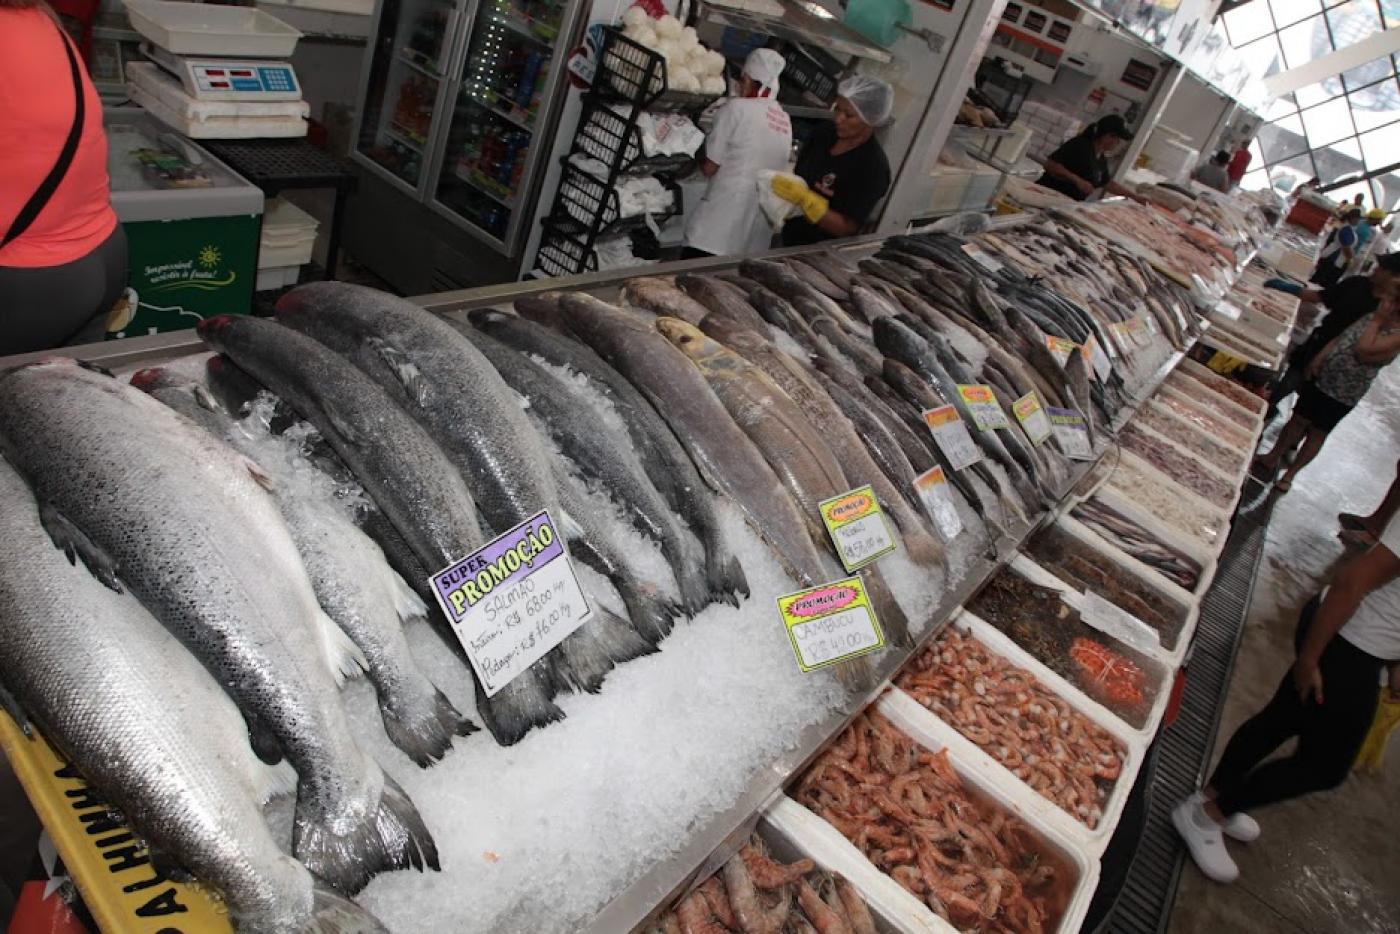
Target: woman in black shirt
x=842, y=172
x=1080, y=166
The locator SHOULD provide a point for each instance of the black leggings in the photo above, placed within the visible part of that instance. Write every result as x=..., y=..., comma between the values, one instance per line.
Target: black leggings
x=49, y=306
x=1329, y=734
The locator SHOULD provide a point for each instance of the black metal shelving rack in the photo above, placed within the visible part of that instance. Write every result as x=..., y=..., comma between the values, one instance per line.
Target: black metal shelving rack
x=630, y=80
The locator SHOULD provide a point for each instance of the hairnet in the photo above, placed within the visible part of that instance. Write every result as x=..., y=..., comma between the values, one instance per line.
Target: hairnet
x=764, y=66
x=872, y=98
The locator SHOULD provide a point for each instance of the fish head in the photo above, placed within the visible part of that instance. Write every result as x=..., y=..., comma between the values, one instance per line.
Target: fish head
x=216, y=331
x=688, y=339
x=731, y=333
x=152, y=378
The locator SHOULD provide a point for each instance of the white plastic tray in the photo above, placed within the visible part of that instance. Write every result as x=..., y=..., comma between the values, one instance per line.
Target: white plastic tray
x=1162, y=410
x=210, y=29
x=787, y=824
x=1160, y=674
x=1249, y=436
x=1187, y=603
x=1208, y=512
x=1195, y=371
x=1096, y=839
x=1166, y=534
x=1234, y=483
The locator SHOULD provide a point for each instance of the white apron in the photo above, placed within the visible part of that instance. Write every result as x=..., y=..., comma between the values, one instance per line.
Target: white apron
x=750, y=135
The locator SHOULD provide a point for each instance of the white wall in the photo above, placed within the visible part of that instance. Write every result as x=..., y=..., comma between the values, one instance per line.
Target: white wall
x=1071, y=89
x=1195, y=111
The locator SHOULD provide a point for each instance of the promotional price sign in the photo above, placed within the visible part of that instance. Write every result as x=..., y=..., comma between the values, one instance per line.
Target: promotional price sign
x=1033, y=418
x=982, y=405
x=951, y=435
x=857, y=527
x=1094, y=355
x=831, y=623
x=1060, y=348
x=937, y=498
x=1072, y=432
x=513, y=600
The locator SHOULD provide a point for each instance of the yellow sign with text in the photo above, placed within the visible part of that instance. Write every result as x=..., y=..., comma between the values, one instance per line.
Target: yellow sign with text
x=831, y=623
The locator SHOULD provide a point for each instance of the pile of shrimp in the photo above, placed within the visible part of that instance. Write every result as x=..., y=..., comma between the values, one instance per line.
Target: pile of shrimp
x=1018, y=721
x=908, y=812
x=752, y=894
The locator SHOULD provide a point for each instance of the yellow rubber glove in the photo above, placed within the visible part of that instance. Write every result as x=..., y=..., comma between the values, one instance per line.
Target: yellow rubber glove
x=793, y=189
x=1372, y=753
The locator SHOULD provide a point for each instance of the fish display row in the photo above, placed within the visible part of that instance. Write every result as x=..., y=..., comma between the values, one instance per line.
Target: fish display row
x=1132, y=539
x=267, y=520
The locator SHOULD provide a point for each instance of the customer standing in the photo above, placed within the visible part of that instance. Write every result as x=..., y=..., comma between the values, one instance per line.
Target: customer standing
x=62, y=251
x=1213, y=174
x=751, y=134
x=1339, y=250
x=1239, y=163
x=1333, y=383
x=842, y=172
x=1345, y=639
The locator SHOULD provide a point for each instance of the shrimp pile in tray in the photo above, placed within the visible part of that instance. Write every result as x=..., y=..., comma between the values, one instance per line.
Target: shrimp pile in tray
x=753, y=894
x=1059, y=752
x=907, y=810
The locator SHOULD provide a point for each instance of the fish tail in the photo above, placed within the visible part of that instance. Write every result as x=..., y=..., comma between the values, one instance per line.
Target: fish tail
x=855, y=675
x=690, y=577
x=423, y=726
x=333, y=913
x=887, y=609
x=921, y=547
x=348, y=853
x=519, y=707
x=619, y=638
x=585, y=661
x=724, y=573
x=652, y=612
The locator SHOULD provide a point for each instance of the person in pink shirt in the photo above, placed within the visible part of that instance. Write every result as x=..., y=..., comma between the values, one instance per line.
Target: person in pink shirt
x=62, y=251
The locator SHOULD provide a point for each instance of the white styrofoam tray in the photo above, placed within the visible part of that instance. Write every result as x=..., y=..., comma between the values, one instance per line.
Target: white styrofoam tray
x=1186, y=603
x=1129, y=463
x=813, y=832
x=1160, y=674
x=1203, y=375
x=1135, y=750
x=211, y=29
x=1202, y=406
x=1234, y=483
x=1242, y=458
x=1166, y=534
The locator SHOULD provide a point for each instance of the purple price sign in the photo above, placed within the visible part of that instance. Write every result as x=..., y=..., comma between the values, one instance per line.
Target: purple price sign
x=506, y=560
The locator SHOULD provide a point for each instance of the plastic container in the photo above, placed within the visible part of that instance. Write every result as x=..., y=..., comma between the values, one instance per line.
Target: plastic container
x=1219, y=516
x=277, y=277
x=1183, y=405
x=792, y=831
x=1233, y=462
x=1223, y=387
x=1216, y=487
x=603, y=133
x=562, y=250
x=630, y=73
x=1133, y=749
x=209, y=29
x=982, y=783
x=1185, y=606
x=1159, y=530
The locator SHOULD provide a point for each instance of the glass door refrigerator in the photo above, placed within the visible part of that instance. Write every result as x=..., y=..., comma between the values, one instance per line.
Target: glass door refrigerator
x=456, y=95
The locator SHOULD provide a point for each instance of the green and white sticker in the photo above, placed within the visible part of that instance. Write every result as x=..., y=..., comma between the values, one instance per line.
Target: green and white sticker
x=1033, y=418
x=857, y=527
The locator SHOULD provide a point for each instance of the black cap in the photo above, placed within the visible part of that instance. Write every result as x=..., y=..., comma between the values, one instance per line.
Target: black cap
x=1112, y=125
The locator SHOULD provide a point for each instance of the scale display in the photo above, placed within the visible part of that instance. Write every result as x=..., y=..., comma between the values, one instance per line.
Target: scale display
x=229, y=79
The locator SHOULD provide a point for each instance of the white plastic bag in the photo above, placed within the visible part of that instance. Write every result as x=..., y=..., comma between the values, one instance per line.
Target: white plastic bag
x=668, y=134
x=775, y=209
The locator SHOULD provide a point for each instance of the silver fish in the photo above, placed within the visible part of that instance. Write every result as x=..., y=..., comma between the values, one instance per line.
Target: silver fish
x=136, y=488
x=149, y=728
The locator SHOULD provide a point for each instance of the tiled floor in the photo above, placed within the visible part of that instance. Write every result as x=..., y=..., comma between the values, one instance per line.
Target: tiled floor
x=1329, y=863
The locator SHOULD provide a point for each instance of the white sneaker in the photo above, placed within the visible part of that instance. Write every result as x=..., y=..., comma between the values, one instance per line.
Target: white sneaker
x=1204, y=839
x=1239, y=826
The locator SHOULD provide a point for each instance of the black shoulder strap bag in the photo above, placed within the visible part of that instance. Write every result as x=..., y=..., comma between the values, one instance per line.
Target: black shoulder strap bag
x=49, y=185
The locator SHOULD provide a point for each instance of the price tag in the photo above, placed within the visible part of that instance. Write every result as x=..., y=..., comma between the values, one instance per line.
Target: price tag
x=857, y=527
x=981, y=257
x=1031, y=414
x=982, y=405
x=1228, y=310
x=951, y=435
x=1060, y=348
x=1072, y=433
x=1118, y=622
x=513, y=600
x=1094, y=355
x=937, y=498
x=830, y=623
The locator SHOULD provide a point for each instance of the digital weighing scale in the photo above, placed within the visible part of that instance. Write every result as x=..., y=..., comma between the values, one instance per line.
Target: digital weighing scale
x=228, y=79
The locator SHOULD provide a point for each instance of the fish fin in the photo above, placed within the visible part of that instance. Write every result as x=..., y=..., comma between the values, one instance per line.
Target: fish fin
x=206, y=399
x=261, y=477
x=407, y=603
x=651, y=611
x=921, y=547
x=403, y=368
x=582, y=663
x=618, y=637
x=271, y=781
x=342, y=655
x=348, y=854
x=74, y=543
x=891, y=615
x=11, y=705
x=572, y=530
x=728, y=583
x=263, y=741
x=333, y=913
x=519, y=707
x=423, y=728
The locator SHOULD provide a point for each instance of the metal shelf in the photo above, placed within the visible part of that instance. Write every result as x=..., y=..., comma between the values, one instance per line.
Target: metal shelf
x=800, y=23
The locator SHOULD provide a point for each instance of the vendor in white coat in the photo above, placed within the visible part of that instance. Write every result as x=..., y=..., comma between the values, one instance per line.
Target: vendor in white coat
x=751, y=134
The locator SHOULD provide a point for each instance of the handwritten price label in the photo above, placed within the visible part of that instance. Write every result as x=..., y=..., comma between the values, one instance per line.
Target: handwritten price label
x=1060, y=348
x=831, y=623
x=1031, y=414
x=982, y=405
x=1072, y=432
x=1094, y=355
x=1116, y=621
x=512, y=601
x=857, y=527
x=951, y=435
x=937, y=497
